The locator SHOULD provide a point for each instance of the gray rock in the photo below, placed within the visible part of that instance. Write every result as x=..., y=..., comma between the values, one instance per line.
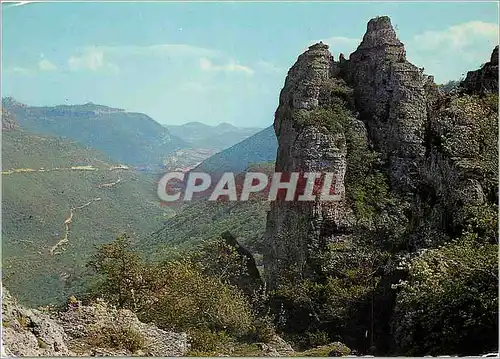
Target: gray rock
x=485, y=79
x=28, y=332
x=390, y=95
x=297, y=231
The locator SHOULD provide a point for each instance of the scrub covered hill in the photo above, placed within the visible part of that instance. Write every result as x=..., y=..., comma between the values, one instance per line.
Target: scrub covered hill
x=126, y=137
x=59, y=199
x=258, y=148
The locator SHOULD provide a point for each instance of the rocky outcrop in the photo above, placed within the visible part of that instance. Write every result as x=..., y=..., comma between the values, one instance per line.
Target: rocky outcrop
x=436, y=159
x=97, y=330
x=309, y=128
x=485, y=79
x=462, y=162
x=390, y=96
x=276, y=347
x=29, y=332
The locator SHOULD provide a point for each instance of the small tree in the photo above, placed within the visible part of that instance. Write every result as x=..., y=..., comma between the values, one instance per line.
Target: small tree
x=121, y=273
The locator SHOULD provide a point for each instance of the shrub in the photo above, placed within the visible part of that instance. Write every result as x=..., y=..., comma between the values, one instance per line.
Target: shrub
x=262, y=330
x=41, y=343
x=332, y=118
x=205, y=342
x=336, y=349
x=121, y=273
x=314, y=339
x=449, y=303
x=115, y=337
x=188, y=299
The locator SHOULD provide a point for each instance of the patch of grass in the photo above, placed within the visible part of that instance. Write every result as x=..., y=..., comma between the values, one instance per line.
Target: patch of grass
x=23, y=320
x=331, y=119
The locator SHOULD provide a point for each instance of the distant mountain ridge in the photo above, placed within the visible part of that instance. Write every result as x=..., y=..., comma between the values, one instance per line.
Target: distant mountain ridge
x=261, y=147
x=220, y=137
x=126, y=137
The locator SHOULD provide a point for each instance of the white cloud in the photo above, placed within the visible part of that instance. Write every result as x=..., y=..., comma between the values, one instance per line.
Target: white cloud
x=91, y=59
x=231, y=66
x=457, y=37
x=46, y=65
x=448, y=54
x=268, y=67
x=17, y=70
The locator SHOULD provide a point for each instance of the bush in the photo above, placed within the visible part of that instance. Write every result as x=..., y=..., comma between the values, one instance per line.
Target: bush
x=120, y=273
x=449, y=303
x=336, y=349
x=117, y=338
x=187, y=299
x=314, y=339
x=332, y=118
x=205, y=342
x=262, y=330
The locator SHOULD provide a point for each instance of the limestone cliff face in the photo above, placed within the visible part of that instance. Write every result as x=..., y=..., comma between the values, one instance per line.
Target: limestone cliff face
x=485, y=79
x=436, y=149
x=390, y=96
x=461, y=165
x=297, y=232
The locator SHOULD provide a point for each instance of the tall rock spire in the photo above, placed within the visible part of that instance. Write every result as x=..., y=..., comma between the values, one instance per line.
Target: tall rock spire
x=308, y=124
x=390, y=93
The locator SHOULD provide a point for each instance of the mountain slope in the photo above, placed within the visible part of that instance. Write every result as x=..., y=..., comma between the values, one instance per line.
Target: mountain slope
x=131, y=138
x=202, y=220
x=219, y=137
x=59, y=200
x=260, y=147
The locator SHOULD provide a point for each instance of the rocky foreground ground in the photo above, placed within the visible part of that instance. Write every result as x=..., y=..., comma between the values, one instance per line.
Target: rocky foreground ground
x=97, y=330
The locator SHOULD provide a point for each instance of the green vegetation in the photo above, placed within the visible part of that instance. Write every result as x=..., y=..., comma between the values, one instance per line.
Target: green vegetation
x=202, y=220
x=35, y=206
x=449, y=298
x=258, y=148
x=116, y=338
x=416, y=274
x=41, y=343
x=332, y=350
x=186, y=294
x=360, y=283
x=331, y=119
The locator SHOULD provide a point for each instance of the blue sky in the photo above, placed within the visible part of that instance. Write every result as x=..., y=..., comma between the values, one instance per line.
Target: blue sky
x=214, y=62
